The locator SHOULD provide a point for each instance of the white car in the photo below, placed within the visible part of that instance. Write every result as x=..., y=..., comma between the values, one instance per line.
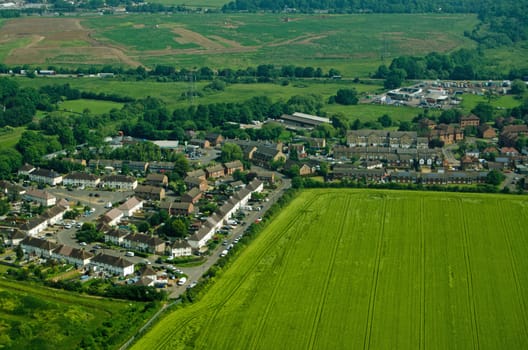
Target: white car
x=83, y=244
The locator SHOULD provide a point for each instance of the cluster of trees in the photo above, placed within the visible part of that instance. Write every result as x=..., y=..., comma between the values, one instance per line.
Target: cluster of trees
x=263, y=72
x=463, y=64
x=156, y=122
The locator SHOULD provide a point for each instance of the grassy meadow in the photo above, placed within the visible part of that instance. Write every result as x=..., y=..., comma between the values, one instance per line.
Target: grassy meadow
x=346, y=269
x=35, y=317
x=10, y=136
x=171, y=94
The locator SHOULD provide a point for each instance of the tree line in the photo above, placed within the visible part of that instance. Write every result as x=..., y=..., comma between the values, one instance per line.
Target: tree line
x=463, y=64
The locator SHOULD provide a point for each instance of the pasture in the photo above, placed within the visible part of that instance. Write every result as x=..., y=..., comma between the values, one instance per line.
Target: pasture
x=348, y=269
x=35, y=317
x=354, y=44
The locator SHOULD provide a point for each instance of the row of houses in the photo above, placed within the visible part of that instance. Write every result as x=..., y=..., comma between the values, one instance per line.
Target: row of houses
x=433, y=178
x=51, y=216
x=383, y=138
x=146, y=243
x=401, y=158
x=135, y=241
x=199, y=239
x=78, y=257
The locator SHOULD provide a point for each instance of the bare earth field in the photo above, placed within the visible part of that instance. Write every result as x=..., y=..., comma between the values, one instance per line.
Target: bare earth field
x=351, y=43
x=58, y=40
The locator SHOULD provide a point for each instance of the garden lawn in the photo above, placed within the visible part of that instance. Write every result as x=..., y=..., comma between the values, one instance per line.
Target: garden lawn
x=349, y=269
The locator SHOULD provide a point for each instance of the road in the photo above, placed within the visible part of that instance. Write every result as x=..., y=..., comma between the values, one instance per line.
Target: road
x=67, y=236
x=196, y=272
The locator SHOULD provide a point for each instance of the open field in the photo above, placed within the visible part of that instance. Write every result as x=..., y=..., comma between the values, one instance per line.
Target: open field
x=347, y=269
x=35, y=317
x=10, y=136
x=171, y=93
x=500, y=102
x=354, y=44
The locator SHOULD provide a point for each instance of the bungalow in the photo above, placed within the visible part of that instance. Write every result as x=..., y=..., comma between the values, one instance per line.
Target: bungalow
x=177, y=208
x=112, y=264
x=112, y=217
x=192, y=182
x=131, y=206
x=81, y=179
x=161, y=167
x=179, y=248
x=145, y=243
x=37, y=246
x=150, y=192
x=119, y=182
x=192, y=196
x=233, y=166
x=116, y=236
x=45, y=176
x=215, y=171
x=39, y=196
x=74, y=256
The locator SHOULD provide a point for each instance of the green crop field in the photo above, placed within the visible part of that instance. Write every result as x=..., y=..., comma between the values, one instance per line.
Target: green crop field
x=349, y=269
x=35, y=317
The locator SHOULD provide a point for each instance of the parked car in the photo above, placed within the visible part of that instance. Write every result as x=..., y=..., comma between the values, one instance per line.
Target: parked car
x=182, y=281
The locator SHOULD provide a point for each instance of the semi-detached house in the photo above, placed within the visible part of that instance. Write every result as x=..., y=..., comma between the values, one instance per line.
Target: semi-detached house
x=45, y=176
x=78, y=179
x=114, y=265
